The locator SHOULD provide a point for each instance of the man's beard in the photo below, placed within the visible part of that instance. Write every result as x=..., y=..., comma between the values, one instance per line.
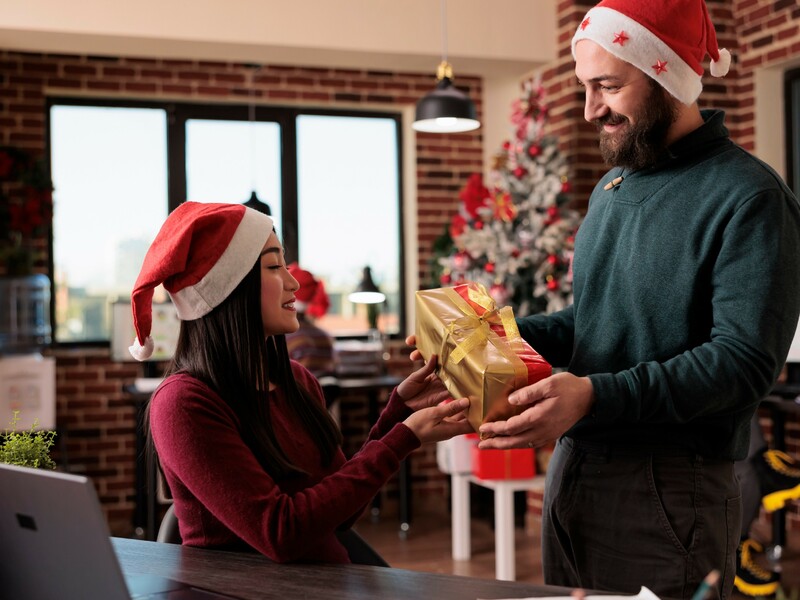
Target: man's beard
x=641, y=144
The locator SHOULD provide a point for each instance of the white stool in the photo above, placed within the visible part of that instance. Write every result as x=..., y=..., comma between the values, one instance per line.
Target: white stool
x=505, y=567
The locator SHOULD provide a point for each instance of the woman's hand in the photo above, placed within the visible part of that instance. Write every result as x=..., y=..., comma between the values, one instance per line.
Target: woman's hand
x=440, y=422
x=415, y=354
x=423, y=388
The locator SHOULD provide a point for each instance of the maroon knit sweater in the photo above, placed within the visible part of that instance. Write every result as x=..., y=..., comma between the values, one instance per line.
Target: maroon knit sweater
x=224, y=499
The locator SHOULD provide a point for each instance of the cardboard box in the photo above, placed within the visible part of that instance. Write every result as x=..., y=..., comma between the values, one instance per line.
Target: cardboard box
x=28, y=385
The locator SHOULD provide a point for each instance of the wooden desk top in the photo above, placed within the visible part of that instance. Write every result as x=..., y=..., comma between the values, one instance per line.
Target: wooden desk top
x=252, y=576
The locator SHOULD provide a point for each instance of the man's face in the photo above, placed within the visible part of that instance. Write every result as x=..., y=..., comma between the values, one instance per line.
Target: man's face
x=632, y=112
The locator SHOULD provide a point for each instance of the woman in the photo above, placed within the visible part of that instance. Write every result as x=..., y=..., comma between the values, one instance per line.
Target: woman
x=250, y=454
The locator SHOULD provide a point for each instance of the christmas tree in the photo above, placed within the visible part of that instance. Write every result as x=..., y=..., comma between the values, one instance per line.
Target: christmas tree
x=516, y=235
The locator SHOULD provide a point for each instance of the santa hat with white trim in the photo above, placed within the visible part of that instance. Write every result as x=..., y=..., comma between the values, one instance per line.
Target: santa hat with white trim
x=666, y=39
x=202, y=252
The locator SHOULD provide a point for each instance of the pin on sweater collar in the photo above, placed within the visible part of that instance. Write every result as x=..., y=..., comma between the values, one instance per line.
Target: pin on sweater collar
x=613, y=183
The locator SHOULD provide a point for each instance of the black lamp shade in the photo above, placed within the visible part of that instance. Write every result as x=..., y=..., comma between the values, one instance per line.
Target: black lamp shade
x=367, y=292
x=446, y=110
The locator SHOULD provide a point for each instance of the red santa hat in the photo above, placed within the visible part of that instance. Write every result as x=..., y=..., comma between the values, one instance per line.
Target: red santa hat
x=202, y=252
x=312, y=294
x=666, y=39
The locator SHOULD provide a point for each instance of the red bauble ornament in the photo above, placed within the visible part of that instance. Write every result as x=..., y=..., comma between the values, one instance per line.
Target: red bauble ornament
x=499, y=294
x=552, y=259
x=534, y=150
x=489, y=267
x=478, y=224
x=506, y=145
x=566, y=188
x=520, y=172
x=445, y=279
x=552, y=285
x=461, y=261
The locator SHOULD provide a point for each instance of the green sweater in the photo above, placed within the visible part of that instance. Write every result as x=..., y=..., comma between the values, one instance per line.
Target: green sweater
x=686, y=298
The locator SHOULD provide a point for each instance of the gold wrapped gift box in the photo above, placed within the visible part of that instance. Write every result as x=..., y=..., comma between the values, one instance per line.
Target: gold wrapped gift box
x=481, y=354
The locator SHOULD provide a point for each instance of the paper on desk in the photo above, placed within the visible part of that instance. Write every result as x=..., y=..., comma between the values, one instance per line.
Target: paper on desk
x=644, y=594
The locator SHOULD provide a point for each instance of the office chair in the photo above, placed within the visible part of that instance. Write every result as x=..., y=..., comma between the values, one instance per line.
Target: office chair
x=168, y=531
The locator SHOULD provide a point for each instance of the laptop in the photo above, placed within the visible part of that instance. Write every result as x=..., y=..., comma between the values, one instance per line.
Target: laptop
x=56, y=543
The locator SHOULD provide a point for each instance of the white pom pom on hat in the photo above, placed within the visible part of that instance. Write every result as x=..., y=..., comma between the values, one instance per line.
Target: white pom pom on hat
x=666, y=39
x=202, y=252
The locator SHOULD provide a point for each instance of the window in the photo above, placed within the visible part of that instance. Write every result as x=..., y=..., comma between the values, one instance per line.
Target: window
x=348, y=211
x=109, y=170
x=331, y=181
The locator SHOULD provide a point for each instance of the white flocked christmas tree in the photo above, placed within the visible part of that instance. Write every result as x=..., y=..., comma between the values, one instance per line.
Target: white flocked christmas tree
x=515, y=235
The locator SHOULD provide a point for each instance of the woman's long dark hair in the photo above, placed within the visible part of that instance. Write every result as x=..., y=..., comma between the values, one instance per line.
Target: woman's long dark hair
x=227, y=350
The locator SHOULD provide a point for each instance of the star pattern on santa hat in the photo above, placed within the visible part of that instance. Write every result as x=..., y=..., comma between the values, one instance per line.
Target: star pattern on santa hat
x=660, y=67
x=585, y=23
x=620, y=38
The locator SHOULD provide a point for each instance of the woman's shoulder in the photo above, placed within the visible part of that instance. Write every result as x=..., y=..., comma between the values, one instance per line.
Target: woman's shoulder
x=302, y=375
x=182, y=388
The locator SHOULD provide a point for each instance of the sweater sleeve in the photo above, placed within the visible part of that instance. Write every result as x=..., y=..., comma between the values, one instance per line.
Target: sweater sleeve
x=395, y=412
x=755, y=301
x=199, y=446
x=550, y=335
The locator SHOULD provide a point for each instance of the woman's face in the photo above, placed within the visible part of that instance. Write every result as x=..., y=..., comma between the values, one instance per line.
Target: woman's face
x=277, y=291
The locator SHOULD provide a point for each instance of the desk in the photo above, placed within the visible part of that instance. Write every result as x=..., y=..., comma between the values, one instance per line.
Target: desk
x=146, y=502
x=505, y=567
x=253, y=576
x=372, y=387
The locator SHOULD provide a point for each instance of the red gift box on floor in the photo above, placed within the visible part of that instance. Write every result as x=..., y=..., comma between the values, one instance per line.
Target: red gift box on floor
x=517, y=463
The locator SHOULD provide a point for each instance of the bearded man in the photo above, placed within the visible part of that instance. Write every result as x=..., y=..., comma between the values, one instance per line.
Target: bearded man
x=686, y=299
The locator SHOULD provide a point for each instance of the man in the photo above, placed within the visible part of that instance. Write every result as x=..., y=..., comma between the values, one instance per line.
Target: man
x=686, y=297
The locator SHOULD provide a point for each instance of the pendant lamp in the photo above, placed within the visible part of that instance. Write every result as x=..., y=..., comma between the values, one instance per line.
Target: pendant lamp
x=367, y=292
x=446, y=109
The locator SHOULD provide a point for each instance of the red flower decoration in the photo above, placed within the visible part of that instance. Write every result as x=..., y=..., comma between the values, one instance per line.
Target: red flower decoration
x=457, y=226
x=504, y=207
x=474, y=195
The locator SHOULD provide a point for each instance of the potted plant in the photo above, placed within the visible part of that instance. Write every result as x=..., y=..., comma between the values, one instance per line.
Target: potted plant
x=30, y=448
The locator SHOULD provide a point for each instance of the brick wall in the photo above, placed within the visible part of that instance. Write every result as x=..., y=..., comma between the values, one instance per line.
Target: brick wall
x=94, y=414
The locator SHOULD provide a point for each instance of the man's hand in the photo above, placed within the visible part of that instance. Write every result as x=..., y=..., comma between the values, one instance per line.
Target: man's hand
x=555, y=405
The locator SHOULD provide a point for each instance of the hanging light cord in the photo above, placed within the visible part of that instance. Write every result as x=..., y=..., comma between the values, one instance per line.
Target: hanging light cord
x=252, y=119
x=444, y=30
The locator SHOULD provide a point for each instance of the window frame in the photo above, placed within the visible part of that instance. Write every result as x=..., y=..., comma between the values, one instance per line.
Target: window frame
x=178, y=112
